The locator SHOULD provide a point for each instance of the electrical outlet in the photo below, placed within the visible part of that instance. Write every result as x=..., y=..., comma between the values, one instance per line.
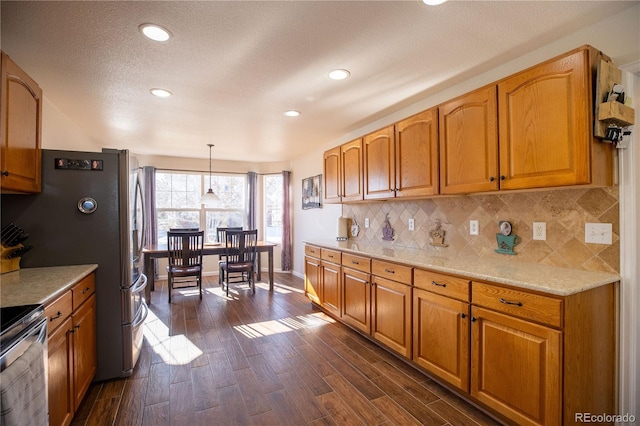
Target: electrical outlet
x=412, y=225
x=598, y=233
x=474, y=228
x=540, y=231
x=366, y=222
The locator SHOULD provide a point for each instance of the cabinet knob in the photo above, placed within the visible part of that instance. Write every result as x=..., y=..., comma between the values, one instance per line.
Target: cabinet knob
x=502, y=177
x=463, y=315
x=474, y=319
x=491, y=179
x=5, y=173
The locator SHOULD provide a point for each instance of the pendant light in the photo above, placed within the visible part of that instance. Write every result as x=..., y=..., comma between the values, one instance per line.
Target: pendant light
x=210, y=198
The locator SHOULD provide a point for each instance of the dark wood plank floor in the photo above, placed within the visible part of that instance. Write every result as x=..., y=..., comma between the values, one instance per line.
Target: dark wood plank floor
x=264, y=359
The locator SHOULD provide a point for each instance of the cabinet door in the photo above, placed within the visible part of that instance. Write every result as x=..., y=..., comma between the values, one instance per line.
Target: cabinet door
x=312, y=282
x=84, y=347
x=356, y=299
x=516, y=367
x=60, y=386
x=441, y=337
x=351, y=167
x=20, y=130
x=469, y=143
x=391, y=315
x=379, y=164
x=545, y=125
x=331, y=288
x=416, y=152
x=332, y=178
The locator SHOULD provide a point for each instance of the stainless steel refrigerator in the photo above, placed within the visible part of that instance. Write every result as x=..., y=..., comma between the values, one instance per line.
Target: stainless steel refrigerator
x=91, y=210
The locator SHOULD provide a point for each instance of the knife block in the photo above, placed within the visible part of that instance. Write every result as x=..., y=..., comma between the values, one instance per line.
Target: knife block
x=9, y=265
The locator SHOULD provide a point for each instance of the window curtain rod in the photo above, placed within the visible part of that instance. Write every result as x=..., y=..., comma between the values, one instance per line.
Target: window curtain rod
x=214, y=171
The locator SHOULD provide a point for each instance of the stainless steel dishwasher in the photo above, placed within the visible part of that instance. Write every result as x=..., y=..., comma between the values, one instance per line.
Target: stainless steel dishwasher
x=23, y=366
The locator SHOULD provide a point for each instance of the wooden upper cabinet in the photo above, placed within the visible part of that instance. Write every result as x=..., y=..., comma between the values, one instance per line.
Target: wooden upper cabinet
x=469, y=143
x=20, y=130
x=379, y=164
x=545, y=124
x=351, y=162
x=416, y=152
x=343, y=173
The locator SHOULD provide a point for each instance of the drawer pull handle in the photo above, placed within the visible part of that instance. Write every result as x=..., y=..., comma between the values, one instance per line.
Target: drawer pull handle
x=389, y=271
x=355, y=262
x=86, y=290
x=330, y=256
x=438, y=284
x=507, y=302
x=58, y=315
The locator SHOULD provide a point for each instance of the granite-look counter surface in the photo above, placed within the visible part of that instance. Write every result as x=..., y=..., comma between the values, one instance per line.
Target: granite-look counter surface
x=544, y=278
x=40, y=285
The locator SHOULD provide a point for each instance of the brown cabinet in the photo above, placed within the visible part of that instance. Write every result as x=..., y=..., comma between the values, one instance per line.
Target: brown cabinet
x=516, y=367
x=391, y=306
x=312, y=276
x=401, y=160
x=343, y=173
x=20, y=130
x=469, y=142
x=356, y=292
x=72, y=349
x=546, y=118
x=331, y=281
x=441, y=326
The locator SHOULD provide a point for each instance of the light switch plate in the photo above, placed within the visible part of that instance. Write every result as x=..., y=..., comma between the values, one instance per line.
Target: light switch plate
x=412, y=225
x=598, y=233
x=474, y=228
x=366, y=222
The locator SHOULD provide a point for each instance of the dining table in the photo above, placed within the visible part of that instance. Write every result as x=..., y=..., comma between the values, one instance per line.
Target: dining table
x=157, y=251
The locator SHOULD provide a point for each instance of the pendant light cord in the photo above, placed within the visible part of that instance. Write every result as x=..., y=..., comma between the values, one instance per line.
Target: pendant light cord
x=210, y=146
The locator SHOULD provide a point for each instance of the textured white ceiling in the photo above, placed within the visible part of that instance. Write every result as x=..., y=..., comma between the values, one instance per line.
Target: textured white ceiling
x=234, y=67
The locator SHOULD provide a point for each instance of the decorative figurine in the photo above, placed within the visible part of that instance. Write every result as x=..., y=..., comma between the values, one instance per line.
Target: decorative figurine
x=387, y=230
x=437, y=235
x=506, y=240
x=355, y=229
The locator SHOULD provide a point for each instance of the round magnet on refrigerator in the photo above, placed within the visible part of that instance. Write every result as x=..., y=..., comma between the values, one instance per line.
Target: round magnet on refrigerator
x=87, y=205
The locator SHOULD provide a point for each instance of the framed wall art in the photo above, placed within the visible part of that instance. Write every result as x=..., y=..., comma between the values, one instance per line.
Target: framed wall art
x=312, y=192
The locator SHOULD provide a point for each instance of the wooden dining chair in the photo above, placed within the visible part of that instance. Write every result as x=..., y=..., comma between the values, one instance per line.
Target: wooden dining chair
x=240, y=256
x=185, y=260
x=221, y=238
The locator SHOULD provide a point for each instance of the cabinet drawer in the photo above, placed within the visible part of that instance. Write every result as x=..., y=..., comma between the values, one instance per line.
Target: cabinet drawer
x=81, y=291
x=529, y=306
x=356, y=262
x=456, y=288
x=58, y=311
x=330, y=255
x=312, y=251
x=392, y=271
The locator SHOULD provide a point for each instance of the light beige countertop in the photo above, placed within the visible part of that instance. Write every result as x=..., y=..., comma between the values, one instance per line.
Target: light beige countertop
x=532, y=276
x=40, y=285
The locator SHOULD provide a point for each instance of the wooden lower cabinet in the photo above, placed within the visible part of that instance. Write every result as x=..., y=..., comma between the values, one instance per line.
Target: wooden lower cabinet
x=72, y=352
x=391, y=314
x=516, y=367
x=356, y=299
x=441, y=337
x=312, y=279
x=331, y=298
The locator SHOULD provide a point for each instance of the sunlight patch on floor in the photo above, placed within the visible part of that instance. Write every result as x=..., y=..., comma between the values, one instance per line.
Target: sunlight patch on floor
x=283, y=325
x=174, y=350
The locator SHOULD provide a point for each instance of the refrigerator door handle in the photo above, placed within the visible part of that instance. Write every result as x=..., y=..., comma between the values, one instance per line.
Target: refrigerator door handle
x=142, y=317
x=139, y=285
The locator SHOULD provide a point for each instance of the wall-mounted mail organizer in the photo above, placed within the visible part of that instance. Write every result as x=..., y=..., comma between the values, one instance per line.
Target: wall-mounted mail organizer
x=612, y=114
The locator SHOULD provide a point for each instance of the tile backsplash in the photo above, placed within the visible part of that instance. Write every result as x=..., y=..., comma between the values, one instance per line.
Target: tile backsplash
x=565, y=212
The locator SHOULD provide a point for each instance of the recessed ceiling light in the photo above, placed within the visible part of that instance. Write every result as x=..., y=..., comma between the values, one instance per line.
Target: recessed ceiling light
x=161, y=93
x=155, y=32
x=339, y=74
x=292, y=113
x=433, y=2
